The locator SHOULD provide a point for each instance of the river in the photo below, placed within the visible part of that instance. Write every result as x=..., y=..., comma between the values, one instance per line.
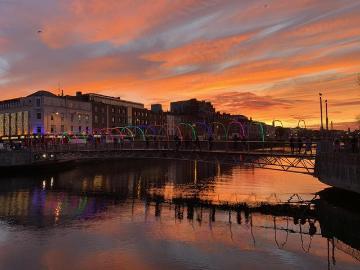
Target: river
x=162, y=214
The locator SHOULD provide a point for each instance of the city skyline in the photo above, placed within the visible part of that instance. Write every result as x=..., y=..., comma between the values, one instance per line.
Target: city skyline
x=157, y=52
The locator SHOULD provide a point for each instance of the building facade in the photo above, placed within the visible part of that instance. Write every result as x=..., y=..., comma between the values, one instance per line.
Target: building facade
x=44, y=113
x=109, y=112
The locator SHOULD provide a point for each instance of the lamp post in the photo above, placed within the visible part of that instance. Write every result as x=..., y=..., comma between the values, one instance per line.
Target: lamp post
x=326, y=112
x=321, y=113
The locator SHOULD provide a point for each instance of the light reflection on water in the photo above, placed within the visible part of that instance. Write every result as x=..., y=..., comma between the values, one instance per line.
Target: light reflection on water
x=174, y=215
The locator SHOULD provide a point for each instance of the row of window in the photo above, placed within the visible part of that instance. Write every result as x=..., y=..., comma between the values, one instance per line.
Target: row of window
x=140, y=114
x=122, y=120
x=62, y=129
x=113, y=110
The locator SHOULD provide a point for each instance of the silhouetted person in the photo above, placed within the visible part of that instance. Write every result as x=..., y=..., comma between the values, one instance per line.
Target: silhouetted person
x=187, y=142
x=308, y=146
x=337, y=145
x=354, y=144
x=121, y=142
x=197, y=143
x=299, y=144
x=235, y=139
x=155, y=142
x=115, y=141
x=210, y=139
x=177, y=142
x=292, y=144
x=147, y=143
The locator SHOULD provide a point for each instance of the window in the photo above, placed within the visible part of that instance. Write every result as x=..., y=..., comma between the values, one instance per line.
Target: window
x=38, y=115
x=62, y=128
x=38, y=102
x=113, y=119
x=95, y=109
x=62, y=117
x=38, y=130
x=112, y=110
x=52, y=117
x=96, y=119
x=87, y=118
x=79, y=129
x=72, y=117
x=52, y=129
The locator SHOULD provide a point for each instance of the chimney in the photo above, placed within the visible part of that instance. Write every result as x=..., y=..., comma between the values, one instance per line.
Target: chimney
x=78, y=93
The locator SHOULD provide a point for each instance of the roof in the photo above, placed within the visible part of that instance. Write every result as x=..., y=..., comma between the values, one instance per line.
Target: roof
x=42, y=93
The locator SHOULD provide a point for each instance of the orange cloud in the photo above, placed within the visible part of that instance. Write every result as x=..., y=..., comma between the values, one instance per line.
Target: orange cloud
x=241, y=55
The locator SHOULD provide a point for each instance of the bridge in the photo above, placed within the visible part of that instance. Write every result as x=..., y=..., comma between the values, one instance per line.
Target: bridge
x=260, y=154
x=335, y=167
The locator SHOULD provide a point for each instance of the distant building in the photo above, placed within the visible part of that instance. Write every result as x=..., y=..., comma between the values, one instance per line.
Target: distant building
x=110, y=112
x=144, y=117
x=156, y=108
x=44, y=113
x=192, y=106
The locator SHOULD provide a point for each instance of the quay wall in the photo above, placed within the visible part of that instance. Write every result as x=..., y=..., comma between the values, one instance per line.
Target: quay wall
x=339, y=169
x=15, y=158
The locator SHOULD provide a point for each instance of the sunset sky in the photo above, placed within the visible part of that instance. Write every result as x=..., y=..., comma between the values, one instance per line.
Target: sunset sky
x=265, y=59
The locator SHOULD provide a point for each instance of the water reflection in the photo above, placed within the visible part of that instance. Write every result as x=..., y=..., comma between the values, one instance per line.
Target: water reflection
x=207, y=208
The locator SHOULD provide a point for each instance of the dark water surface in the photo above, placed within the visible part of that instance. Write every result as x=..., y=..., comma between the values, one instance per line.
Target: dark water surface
x=149, y=214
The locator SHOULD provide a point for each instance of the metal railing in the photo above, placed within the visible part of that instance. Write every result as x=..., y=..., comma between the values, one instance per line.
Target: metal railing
x=269, y=147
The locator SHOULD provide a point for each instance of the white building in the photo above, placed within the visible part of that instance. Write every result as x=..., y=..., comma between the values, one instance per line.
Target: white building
x=44, y=113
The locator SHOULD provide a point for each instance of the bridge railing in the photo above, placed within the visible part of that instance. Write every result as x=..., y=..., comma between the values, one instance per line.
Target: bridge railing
x=213, y=146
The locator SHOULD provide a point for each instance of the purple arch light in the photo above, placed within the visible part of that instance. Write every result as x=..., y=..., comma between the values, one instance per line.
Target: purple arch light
x=239, y=124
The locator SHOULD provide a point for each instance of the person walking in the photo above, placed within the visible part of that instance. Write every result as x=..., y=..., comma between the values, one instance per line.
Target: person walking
x=354, y=144
x=197, y=143
x=177, y=142
x=210, y=140
x=147, y=143
x=308, y=146
x=300, y=144
x=292, y=144
x=235, y=139
x=187, y=142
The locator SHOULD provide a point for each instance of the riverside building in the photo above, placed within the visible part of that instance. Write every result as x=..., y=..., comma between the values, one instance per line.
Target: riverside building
x=43, y=113
x=110, y=112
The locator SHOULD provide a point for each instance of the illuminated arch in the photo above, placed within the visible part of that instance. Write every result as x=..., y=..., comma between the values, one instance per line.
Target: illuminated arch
x=128, y=130
x=179, y=131
x=223, y=126
x=192, y=128
x=205, y=127
x=152, y=128
x=277, y=121
x=139, y=129
x=240, y=125
x=301, y=121
x=262, y=133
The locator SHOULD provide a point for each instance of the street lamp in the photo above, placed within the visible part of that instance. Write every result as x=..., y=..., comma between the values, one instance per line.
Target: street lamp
x=321, y=113
x=326, y=113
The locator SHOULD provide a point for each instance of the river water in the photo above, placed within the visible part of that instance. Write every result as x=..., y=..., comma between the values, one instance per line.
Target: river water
x=155, y=214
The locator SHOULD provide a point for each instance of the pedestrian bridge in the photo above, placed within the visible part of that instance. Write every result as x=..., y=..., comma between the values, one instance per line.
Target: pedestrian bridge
x=268, y=155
